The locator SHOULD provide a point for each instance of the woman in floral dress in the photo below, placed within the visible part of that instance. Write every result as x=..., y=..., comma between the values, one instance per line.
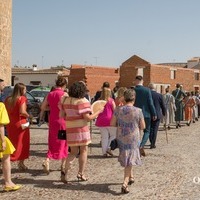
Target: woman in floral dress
x=129, y=121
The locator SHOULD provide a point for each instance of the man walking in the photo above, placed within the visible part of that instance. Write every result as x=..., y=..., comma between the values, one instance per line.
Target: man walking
x=160, y=112
x=144, y=101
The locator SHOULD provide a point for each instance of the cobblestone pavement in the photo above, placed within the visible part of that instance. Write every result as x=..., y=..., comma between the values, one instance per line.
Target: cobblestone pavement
x=170, y=171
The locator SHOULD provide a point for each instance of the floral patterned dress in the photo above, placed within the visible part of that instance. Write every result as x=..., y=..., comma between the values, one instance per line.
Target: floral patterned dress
x=128, y=134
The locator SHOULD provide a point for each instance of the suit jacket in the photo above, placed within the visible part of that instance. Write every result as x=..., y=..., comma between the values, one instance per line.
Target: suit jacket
x=144, y=101
x=159, y=104
x=178, y=95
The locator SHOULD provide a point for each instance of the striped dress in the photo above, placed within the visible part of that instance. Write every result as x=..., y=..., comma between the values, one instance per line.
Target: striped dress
x=78, y=133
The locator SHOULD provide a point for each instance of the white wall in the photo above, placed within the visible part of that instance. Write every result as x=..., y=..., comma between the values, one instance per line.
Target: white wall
x=46, y=79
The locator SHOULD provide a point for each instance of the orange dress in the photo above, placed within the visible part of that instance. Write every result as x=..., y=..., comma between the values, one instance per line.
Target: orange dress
x=189, y=103
x=19, y=138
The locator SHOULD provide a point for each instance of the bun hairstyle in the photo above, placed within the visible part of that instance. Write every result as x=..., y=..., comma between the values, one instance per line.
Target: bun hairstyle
x=61, y=81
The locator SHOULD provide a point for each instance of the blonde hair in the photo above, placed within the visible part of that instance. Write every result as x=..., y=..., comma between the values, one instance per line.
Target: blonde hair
x=105, y=94
x=120, y=92
x=17, y=92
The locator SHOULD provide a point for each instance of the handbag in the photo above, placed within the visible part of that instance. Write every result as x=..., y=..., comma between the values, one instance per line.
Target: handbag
x=62, y=135
x=25, y=125
x=114, y=144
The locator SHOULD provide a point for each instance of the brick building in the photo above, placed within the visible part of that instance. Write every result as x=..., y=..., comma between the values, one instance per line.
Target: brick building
x=94, y=76
x=5, y=39
x=162, y=75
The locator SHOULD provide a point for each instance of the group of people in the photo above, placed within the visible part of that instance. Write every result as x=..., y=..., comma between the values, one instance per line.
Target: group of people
x=181, y=106
x=126, y=113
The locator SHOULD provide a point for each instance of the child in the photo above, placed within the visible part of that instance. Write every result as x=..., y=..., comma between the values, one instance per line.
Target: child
x=6, y=148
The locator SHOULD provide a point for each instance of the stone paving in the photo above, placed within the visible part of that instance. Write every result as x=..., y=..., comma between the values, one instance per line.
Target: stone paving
x=171, y=171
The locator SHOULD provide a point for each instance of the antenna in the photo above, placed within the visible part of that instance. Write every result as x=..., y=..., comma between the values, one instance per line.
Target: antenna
x=96, y=60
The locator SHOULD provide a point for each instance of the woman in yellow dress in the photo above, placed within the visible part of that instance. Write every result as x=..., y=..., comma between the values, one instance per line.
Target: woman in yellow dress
x=6, y=148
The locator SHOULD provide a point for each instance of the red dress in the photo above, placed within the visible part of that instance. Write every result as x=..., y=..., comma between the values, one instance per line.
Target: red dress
x=19, y=138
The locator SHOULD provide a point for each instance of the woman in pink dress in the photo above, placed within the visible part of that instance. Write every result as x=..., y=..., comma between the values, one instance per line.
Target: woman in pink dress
x=57, y=149
x=108, y=133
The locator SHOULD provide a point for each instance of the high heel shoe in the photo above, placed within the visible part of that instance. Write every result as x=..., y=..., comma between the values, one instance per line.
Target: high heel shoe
x=63, y=177
x=124, y=189
x=45, y=166
x=131, y=181
x=22, y=166
x=81, y=177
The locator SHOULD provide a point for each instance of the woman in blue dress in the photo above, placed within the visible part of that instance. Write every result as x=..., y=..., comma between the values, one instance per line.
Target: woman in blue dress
x=129, y=121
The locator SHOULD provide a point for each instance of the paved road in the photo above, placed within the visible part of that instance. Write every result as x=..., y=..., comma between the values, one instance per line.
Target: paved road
x=170, y=171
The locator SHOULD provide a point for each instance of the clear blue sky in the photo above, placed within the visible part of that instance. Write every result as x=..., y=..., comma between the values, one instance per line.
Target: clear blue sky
x=104, y=32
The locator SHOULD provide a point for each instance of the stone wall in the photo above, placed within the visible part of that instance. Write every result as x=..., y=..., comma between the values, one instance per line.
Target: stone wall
x=5, y=40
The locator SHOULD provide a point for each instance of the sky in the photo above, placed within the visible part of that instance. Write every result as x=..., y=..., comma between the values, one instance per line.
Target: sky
x=104, y=32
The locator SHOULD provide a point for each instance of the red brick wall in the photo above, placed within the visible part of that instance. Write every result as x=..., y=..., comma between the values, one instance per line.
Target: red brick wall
x=158, y=74
x=184, y=76
x=93, y=76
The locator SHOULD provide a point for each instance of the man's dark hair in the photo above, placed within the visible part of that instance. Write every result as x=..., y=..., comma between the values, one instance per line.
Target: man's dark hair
x=138, y=77
x=178, y=85
x=106, y=85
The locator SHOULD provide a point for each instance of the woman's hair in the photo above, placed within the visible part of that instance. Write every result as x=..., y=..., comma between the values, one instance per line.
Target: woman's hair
x=17, y=92
x=61, y=81
x=105, y=94
x=52, y=88
x=129, y=95
x=120, y=91
x=77, y=90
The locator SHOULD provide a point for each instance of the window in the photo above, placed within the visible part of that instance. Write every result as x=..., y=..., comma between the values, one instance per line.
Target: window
x=196, y=76
x=140, y=71
x=173, y=74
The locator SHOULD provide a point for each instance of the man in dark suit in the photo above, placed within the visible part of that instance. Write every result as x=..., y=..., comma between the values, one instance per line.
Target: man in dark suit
x=145, y=102
x=160, y=111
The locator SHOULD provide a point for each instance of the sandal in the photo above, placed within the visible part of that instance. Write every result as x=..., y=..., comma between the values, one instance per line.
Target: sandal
x=63, y=177
x=81, y=177
x=109, y=152
x=11, y=188
x=45, y=166
x=131, y=181
x=124, y=189
x=22, y=166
